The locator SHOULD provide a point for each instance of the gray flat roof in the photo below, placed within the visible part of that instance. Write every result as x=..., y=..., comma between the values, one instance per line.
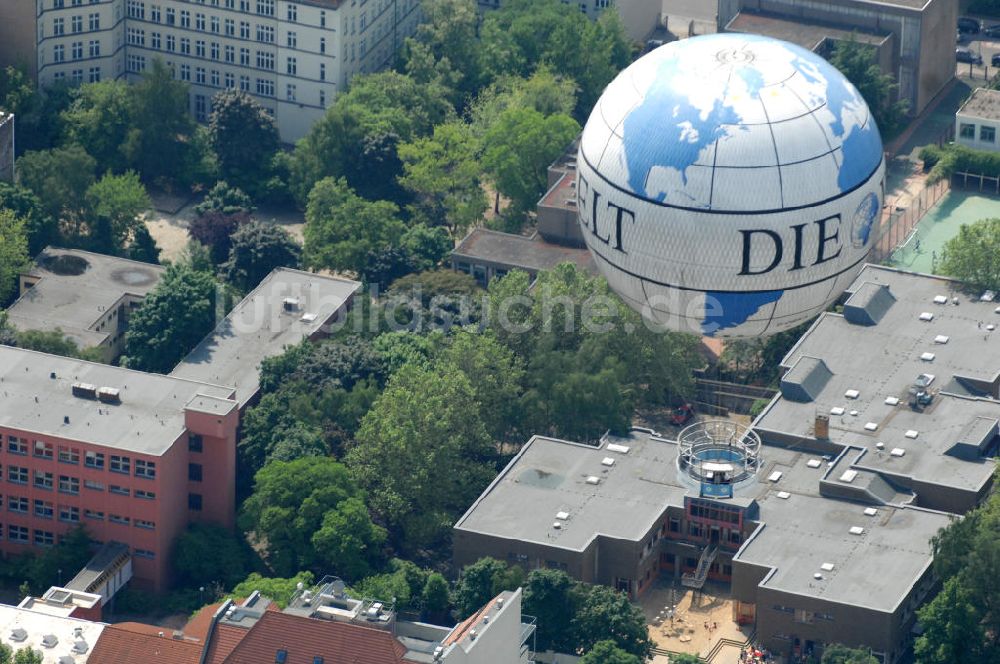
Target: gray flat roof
x=807, y=34
x=530, y=253
x=875, y=569
x=148, y=420
x=983, y=104
x=76, y=302
x=260, y=327
x=882, y=361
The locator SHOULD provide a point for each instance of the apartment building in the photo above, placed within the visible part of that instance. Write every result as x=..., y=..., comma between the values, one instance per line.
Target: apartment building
x=293, y=57
x=977, y=121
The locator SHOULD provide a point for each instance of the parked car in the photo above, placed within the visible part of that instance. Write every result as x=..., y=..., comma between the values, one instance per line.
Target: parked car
x=966, y=24
x=995, y=60
x=992, y=30
x=965, y=55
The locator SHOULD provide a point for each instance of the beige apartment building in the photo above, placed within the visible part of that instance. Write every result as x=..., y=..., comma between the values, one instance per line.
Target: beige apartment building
x=293, y=57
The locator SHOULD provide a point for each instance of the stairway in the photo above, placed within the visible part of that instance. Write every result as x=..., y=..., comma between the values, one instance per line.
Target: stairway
x=697, y=580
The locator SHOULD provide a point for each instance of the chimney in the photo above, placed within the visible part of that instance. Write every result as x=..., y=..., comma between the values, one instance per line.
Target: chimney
x=822, y=428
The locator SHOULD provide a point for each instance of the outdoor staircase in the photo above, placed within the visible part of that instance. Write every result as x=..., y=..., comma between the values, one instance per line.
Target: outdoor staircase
x=697, y=580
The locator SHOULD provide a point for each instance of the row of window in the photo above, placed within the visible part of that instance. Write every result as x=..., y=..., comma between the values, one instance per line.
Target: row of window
x=76, y=24
x=44, y=509
x=802, y=615
x=119, y=463
x=76, y=76
x=137, y=9
x=22, y=535
x=61, y=4
x=71, y=485
x=986, y=134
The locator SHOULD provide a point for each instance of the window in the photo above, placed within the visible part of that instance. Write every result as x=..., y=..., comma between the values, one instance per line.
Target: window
x=145, y=495
x=199, y=48
x=292, y=67
x=94, y=514
x=244, y=30
x=43, y=480
x=200, y=104
x=967, y=131
x=215, y=50
x=119, y=490
x=136, y=37
x=94, y=460
x=154, y=14
x=322, y=98
x=43, y=509
x=142, y=523
x=290, y=92
x=322, y=19
x=44, y=538
x=171, y=16
x=70, y=485
x=230, y=80
x=322, y=71
x=17, y=475
x=17, y=534
x=171, y=43
x=230, y=52
x=69, y=455
x=265, y=60
x=17, y=445
x=199, y=22
x=155, y=42
x=265, y=33
x=194, y=502
x=293, y=40
x=94, y=21
x=194, y=469
x=120, y=464
x=245, y=57
x=322, y=44
x=93, y=486
x=58, y=26
x=58, y=4
x=17, y=504
x=245, y=83
x=988, y=134
x=69, y=514
x=214, y=80
x=265, y=7
x=230, y=27
x=76, y=24
x=121, y=520
x=144, y=553
x=293, y=13
x=280, y=657
x=185, y=18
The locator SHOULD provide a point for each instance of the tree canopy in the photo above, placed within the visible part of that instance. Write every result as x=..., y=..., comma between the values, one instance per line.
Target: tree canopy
x=857, y=62
x=13, y=253
x=971, y=255
x=257, y=248
x=245, y=139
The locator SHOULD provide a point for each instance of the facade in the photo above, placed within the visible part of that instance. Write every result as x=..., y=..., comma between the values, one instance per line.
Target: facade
x=88, y=296
x=293, y=57
x=819, y=519
x=977, y=121
x=640, y=17
x=133, y=456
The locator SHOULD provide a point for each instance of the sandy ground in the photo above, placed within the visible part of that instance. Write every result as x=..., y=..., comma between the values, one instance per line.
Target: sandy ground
x=688, y=631
x=169, y=221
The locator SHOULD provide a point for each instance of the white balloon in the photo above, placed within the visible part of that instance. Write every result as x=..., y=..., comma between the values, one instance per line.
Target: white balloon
x=730, y=185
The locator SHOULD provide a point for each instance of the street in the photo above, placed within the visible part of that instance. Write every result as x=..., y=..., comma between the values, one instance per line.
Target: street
x=984, y=46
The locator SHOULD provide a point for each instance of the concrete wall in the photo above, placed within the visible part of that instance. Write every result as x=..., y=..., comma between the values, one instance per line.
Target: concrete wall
x=964, y=125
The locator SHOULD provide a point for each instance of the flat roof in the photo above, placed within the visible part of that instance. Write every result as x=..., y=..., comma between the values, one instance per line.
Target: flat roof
x=873, y=364
x=148, y=420
x=983, y=104
x=76, y=289
x=260, y=326
x=876, y=569
x=36, y=626
x=532, y=253
x=807, y=34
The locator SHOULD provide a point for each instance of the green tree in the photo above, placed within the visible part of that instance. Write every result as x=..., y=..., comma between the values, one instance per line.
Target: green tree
x=970, y=256
x=257, y=249
x=953, y=629
x=244, y=138
x=436, y=596
x=357, y=137
x=606, y=614
x=443, y=174
x=41, y=228
x=6, y=654
x=160, y=144
x=206, y=553
x=606, y=652
x=39, y=125
x=685, y=658
x=857, y=62
x=309, y=513
x=28, y=655
x=54, y=342
x=171, y=320
x=13, y=253
x=482, y=581
x=114, y=204
x=99, y=119
x=59, y=178
x=839, y=654
x=215, y=230
x=519, y=148
x=278, y=590
x=448, y=34
x=424, y=427
x=225, y=199
x=551, y=596
x=342, y=228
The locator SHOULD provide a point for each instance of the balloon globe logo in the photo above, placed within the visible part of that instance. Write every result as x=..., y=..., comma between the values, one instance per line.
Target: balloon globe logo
x=730, y=185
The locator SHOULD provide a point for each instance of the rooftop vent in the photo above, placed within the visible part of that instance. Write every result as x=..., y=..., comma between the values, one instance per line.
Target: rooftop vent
x=880, y=445
x=775, y=476
x=826, y=567
x=988, y=296
x=991, y=327
x=941, y=339
x=940, y=299
x=871, y=511
x=614, y=447
x=80, y=647
x=837, y=410
x=814, y=463
x=52, y=375
x=927, y=316
x=109, y=395
x=290, y=304
x=18, y=635
x=852, y=394
x=607, y=461
x=472, y=635
x=856, y=530
x=308, y=318
x=784, y=495
x=897, y=451
x=871, y=426
x=805, y=381
x=67, y=659
x=817, y=576
x=50, y=641
x=84, y=390
x=593, y=479
x=557, y=525
x=848, y=476
x=911, y=433
x=562, y=516
x=892, y=401
x=927, y=357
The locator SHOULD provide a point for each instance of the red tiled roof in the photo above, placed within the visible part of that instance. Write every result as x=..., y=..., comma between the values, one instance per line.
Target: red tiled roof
x=197, y=627
x=305, y=638
x=134, y=642
x=225, y=638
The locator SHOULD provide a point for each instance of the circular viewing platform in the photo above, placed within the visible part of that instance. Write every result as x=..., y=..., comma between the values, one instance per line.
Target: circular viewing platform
x=719, y=454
